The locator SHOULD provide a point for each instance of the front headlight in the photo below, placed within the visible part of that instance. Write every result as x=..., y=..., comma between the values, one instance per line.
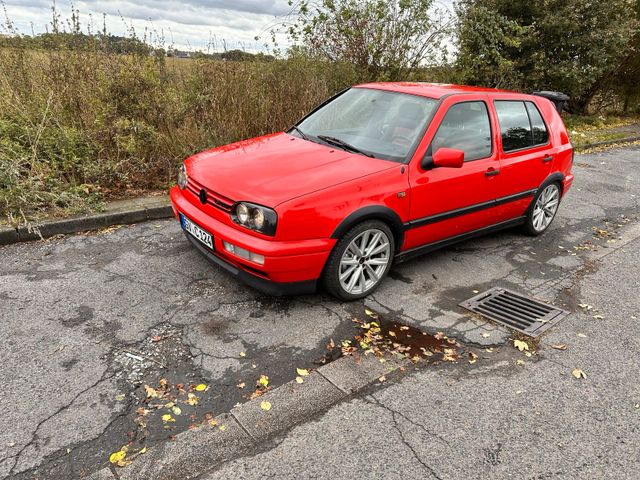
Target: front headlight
x=256, y=217
x=182, y=177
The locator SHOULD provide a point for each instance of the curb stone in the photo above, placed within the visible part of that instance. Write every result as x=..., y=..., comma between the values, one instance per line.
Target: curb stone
x=159, y=210
x=197, y=451
x=608, y=142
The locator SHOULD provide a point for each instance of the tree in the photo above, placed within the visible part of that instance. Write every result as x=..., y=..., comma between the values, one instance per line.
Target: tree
x=575, y=46
x=387, y=39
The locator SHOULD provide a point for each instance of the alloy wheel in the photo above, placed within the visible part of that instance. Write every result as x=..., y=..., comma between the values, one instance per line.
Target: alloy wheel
x=364, y=261
x=546, y=207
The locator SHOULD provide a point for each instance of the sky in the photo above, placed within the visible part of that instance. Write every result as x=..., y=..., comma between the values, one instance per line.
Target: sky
x=186, y=24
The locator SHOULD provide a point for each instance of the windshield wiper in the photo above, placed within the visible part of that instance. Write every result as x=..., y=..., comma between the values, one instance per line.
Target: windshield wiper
x=341, y=143
x=302, y=134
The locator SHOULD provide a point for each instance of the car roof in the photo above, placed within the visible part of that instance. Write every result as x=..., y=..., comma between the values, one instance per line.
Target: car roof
x=431, y=90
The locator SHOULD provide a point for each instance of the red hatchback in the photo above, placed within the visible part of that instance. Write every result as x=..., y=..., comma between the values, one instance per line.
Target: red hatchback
x=379, y=173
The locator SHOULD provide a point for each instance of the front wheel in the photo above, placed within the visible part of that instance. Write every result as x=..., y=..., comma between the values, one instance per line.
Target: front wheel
x=359, y=261
x=543, y=210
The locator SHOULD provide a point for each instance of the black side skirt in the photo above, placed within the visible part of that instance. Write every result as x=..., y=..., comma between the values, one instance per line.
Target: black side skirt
x=430, y=247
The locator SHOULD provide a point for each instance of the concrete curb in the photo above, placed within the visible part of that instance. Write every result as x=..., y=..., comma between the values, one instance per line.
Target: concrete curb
x=197, y=451
x=608, y=142
x=153, y=211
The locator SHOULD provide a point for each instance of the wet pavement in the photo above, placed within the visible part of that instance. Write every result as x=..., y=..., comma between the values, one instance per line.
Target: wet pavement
x=89, y=320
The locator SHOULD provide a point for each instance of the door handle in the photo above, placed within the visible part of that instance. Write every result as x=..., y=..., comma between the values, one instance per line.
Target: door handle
x=491, y=172
x=548, y=158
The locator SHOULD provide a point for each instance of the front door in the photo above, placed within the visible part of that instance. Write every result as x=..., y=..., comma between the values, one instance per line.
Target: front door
x=446, y=202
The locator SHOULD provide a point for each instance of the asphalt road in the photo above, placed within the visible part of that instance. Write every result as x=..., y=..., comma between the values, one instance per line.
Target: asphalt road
x=88, y=320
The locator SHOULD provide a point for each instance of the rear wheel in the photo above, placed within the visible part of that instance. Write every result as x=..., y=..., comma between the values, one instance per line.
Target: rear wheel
x=359, y=261
x=543, y=210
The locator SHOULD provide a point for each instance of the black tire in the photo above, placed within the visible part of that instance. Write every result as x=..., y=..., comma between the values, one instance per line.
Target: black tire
x=528, y=227
x=330, y=276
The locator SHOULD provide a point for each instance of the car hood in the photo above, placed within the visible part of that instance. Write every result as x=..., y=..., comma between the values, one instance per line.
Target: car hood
x=275, y=168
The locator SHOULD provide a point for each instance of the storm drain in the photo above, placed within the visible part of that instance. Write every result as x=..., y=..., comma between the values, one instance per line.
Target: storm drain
x=520, y=313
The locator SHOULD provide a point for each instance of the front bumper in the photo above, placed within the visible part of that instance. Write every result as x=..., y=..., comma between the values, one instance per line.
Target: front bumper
x=290, y=267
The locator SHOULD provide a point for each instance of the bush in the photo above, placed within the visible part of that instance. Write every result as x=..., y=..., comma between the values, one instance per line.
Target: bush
x=79, y=125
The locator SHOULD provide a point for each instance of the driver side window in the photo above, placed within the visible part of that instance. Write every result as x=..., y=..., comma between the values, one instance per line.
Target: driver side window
x=465, y=127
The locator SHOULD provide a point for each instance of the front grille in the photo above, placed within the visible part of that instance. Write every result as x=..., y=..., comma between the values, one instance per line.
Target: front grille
x=214, y=199
x=518, y=312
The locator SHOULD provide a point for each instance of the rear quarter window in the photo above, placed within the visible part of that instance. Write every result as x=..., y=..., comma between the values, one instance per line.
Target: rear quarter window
x=521, y=125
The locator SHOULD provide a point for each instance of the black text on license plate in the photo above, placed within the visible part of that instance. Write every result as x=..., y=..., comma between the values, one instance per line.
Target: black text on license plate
x=200, y=234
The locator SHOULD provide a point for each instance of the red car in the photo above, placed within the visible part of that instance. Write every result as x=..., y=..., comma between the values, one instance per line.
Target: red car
x=379, y=173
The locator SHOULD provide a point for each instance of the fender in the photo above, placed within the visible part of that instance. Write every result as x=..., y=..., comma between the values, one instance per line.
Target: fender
x=373, y=212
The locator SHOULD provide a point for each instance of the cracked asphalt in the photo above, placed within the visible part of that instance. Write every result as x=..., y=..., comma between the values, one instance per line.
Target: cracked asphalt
x=87, y=320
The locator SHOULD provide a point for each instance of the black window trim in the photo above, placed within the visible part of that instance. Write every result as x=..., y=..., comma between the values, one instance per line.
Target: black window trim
x=486, y=105
x=530, y=147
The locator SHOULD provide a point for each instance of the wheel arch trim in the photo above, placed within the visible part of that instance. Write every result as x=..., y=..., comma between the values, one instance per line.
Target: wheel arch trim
x=373, y=212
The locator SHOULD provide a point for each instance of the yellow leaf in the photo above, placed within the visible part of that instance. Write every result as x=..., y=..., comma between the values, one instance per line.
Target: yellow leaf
x=382, y=379
x=576, y=372
x=176, y=410
x=519, y=362
x=222, y=428
x=143, y=451
x=242, y=354
x=201, y=387
x=168, y=418
x=299, y=379
x=118, y=456
x=520, y=345
x=370, y=313
x=191, y=399
x=265, y=405
x=263, y=381
x=392, y=333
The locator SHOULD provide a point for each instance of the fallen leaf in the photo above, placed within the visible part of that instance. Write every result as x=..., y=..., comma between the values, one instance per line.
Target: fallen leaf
x=476, y=291
x=576, y=372
x=117, y=457
x=559, y=346
x=299, y=379
x=488, y=350
x=191, y=399
x=520, y=345
x=120, y=397
x=331, y=345
x=176, y=410
x=263, y=381
x=519, y=362
x=392, y=333
x=222, y=428
x=240, y=385
x=201, y=387
x=382, y=379
x=582, y=335
x=242, y=354
x=472, y=358
x=598, y=317
x=265, y=405
x=156, y=338
x=150, y=392
x=485, y=335
x=371, y=313
x=168, y=418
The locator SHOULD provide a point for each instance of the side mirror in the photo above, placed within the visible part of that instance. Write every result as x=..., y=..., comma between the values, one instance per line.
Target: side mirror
x=448, y=157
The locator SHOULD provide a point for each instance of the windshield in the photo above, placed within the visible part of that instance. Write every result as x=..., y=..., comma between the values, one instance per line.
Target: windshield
x=382, y=124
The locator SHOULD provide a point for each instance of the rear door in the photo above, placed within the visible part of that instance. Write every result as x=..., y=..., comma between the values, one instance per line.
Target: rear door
x=526, y=154
x=446, y=202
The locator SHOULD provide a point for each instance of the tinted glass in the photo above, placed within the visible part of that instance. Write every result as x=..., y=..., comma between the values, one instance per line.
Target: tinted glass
x=540, y=134
x=465, y=127
x=514, y=125
x=384, y=124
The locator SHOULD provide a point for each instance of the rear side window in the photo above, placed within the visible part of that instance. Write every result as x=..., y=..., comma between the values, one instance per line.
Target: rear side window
x=538, y=128
x=521, y=125
x=465, y=127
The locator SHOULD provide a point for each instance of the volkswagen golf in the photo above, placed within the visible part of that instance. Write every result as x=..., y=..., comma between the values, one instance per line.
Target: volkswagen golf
x=378, y=174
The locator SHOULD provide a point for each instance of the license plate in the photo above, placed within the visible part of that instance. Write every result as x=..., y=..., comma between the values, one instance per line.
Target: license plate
x=201, y=235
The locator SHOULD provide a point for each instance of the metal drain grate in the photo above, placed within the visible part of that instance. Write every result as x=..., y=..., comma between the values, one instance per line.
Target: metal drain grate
x=520, y=313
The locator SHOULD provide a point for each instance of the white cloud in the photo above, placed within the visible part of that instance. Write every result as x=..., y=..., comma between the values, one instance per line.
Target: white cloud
x=188, y=24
